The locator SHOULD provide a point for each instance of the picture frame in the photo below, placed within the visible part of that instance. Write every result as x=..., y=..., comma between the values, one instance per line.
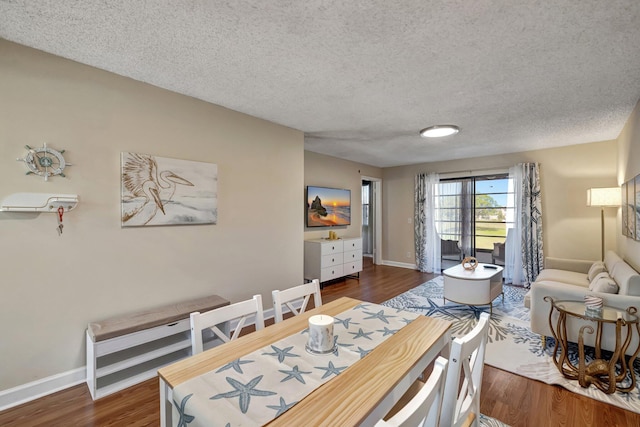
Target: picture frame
x=624, y=211
x=164, y=191
x=636, y=205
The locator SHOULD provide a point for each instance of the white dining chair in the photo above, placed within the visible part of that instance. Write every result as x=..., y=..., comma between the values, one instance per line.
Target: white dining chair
x=291, y=298
x=461, y=403
x=212, y=321
x=423, y=410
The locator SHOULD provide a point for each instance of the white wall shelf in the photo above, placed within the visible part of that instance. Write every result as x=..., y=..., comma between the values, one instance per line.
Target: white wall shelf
x=38, y=202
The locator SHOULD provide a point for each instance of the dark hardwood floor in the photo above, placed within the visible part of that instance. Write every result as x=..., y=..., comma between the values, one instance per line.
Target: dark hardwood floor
x=513, y=399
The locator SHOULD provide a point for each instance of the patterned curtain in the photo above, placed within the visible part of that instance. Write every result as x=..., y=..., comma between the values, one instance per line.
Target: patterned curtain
x=427, y=244
x=466, y=217
x=528, y=203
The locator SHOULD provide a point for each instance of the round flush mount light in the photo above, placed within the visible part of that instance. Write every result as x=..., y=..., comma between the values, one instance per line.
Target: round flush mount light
x=439, y=131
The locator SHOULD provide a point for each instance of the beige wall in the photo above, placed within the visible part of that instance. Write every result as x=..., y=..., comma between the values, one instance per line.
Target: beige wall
x=629, y=167
x=327, y=171
x=52, y=286
x=571, y=229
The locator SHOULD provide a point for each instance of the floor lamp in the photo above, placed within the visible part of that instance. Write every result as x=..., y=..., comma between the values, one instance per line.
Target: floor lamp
x=603, y=198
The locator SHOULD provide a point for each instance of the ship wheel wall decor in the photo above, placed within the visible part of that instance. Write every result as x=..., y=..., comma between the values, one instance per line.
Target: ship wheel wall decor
x=44, y=161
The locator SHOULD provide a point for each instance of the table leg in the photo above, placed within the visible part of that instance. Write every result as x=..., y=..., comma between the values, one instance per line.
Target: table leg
x=166, y=407
x=632, y=359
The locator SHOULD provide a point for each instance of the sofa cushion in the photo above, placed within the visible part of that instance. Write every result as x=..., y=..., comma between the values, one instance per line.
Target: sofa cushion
x=563, y=276
x=603, y=275
x=604, y=284
x=611, y=259
x=597, y=268
x=627, y=278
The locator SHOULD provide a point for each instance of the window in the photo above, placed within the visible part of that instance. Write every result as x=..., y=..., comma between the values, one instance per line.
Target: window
x=475, y=211
x=366, y=185
x=493, y=212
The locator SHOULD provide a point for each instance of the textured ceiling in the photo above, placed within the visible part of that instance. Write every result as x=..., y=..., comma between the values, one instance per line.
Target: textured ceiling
x=362, y=77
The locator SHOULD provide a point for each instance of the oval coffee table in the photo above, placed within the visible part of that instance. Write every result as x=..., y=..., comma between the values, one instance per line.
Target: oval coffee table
x=473, y=287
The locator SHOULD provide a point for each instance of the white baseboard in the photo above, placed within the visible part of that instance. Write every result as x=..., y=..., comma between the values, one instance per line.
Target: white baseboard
x=34, y=390
x=399, y=264
x=30, y=391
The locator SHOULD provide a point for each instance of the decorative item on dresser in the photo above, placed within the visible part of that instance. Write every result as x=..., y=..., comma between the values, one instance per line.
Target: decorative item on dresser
x=331, y=259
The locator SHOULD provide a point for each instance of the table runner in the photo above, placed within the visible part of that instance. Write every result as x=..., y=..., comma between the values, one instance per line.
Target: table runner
x=259, y=386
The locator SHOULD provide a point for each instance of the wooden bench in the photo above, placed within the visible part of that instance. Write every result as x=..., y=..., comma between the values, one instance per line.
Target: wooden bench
x=126, y=350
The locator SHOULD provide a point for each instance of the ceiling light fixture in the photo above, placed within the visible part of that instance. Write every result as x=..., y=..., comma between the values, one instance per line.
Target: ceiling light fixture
x=439, y=130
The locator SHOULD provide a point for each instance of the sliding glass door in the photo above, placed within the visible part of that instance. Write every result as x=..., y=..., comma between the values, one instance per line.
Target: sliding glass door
x=475, y=213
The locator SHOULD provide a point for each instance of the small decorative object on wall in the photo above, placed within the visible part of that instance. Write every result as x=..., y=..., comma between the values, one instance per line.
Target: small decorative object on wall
x=624, y=210
x=44, y=161
x=469, y=263
x=163, y=191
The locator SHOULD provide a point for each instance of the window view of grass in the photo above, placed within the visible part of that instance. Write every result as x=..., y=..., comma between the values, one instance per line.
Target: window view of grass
x=489, y=233
x=493, y=215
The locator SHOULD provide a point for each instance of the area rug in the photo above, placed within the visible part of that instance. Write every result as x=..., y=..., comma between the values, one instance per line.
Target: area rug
x=512, y=346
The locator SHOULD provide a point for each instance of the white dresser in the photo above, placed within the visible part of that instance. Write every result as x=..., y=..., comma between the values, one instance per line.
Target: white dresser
x=331, y=259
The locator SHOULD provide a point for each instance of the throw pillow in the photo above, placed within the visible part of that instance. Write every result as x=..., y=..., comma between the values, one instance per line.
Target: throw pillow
x=606, y=285
x=603, y=275
x=597, y=268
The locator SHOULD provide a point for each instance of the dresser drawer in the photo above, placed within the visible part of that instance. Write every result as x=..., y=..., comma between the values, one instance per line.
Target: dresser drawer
x=330, y=273
x=353, y=267
x=352, y=244
x=333, y=247
x=352, y=256
x=331, y=260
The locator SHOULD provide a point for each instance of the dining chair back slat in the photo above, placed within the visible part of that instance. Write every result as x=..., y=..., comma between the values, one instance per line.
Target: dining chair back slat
x=290, y=297
x=423, y=410
x=464, y=376
x=212, y=321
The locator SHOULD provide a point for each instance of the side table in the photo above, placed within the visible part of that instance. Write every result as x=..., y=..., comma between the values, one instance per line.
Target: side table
x=599, y=372
x=473, y=287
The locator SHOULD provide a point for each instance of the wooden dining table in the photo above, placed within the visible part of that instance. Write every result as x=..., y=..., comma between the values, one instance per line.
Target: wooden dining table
x=361, y=395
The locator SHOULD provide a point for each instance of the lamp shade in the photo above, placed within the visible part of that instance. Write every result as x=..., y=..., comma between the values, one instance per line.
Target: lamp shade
x=603, y=197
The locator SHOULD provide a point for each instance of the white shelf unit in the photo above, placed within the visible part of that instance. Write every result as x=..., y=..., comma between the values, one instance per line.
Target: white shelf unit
x=331, y=259
x=123, y=361
x=127, y=356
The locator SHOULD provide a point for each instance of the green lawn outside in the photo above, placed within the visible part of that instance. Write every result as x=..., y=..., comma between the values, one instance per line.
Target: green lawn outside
x=486, y=234
x=483, y=241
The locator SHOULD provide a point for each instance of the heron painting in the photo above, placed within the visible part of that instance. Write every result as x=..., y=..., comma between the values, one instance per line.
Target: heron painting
x=163, y=191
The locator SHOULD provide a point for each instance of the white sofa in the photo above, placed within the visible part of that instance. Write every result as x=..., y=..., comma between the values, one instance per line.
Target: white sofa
x=564, y=279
